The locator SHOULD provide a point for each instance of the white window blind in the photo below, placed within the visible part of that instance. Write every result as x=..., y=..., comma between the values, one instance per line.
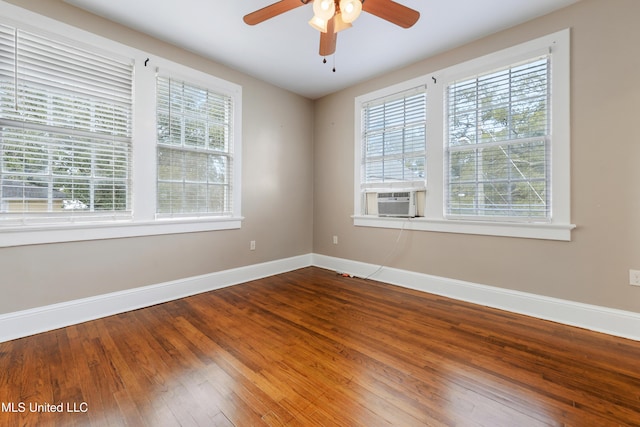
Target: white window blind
x=394, y=139
x=498, y=145
x=195, y=150
x=65, y=130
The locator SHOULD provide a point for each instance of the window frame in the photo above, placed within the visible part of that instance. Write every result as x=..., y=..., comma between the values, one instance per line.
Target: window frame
x=360, y=186
x=383, y=131
x=43, y=107
x=144, y=220
x=215, y=88
x=480, y=147
x=558, y=226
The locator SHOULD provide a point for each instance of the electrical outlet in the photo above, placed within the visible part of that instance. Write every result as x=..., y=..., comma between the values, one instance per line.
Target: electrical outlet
x=252, y=245
x=335, y=240
x=634, y=277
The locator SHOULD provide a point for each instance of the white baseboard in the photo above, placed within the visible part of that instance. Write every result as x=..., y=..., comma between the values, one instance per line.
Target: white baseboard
x=41, y=319
x=610, y=321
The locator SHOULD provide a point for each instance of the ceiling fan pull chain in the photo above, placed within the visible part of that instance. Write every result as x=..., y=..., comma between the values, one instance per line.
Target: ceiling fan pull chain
x=324, y=61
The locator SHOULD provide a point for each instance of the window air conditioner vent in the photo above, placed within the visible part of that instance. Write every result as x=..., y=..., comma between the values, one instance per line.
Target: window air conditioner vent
x=397, y=204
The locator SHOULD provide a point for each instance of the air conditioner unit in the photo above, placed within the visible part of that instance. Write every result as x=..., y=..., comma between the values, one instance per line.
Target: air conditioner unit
x=397, y=204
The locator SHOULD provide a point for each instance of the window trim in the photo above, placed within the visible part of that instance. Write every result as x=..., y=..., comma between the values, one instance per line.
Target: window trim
x=143, y=198
x=559, y=226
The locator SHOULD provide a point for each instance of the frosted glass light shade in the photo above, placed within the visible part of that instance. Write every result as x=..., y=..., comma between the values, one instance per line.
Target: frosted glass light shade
x=324, y=9
x=319, y=24
x=350, y=10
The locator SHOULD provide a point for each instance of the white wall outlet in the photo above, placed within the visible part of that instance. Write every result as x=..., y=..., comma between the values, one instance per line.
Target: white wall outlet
x=634, y=277
x=335, y=240
x=252, y=245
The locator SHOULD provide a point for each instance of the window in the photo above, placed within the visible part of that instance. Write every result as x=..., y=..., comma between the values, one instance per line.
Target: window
x=393, y=139
x=65, y=130
x=194, y=150
x=497, y=146
x=498, y=143
x=99, y=140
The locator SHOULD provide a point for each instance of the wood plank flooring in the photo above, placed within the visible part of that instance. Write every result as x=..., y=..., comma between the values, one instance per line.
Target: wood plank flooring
x=311, y=348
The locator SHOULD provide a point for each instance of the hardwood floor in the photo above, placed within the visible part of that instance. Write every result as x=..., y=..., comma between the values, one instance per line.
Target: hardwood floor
x=311, y=348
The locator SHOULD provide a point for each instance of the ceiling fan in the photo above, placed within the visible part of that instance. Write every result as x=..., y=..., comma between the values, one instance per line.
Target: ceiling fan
x=333, y=16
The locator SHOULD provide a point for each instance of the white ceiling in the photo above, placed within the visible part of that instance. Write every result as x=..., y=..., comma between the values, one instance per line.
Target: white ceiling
x=284, y=49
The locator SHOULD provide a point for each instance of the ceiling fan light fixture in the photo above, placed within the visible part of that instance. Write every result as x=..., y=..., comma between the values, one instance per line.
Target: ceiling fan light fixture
x=333, y=16
x=350, y=10
x=339, y=23
x=319, y=24
x=324, y=9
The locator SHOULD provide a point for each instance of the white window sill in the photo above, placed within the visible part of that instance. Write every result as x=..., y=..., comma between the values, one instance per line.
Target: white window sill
x=40, y=234
x=506, y=229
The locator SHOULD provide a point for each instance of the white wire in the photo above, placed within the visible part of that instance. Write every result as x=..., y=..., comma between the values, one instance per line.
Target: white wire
x=391, y=252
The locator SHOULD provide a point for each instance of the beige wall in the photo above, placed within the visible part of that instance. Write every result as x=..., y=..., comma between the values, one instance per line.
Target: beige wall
x=276, y=199
x=605, y=110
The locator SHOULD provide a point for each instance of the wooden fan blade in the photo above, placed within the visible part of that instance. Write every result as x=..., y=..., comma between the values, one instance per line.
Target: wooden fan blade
x=328, y=39
x=272, y=10
x=392, y=12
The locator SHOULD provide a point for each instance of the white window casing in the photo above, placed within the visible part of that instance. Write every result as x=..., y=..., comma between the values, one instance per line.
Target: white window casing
x=548, y=215
x=134, y=167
